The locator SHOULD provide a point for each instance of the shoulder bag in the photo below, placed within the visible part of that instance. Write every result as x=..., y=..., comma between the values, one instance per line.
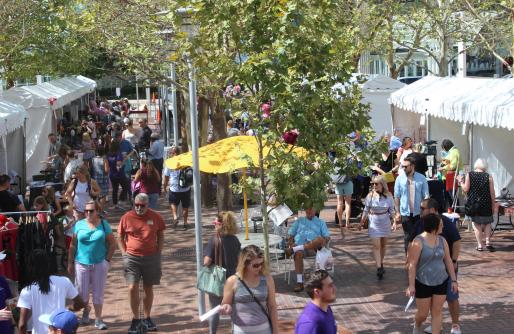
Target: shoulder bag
x=255, y=300
x=212, y=279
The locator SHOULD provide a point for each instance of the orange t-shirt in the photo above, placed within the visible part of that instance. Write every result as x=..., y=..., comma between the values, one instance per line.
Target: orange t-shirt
x=141, y=232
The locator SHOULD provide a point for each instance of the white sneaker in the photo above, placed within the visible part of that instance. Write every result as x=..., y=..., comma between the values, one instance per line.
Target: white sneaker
x=455, y=329
x=428, y=330
x=416, y=330
x=100, y=324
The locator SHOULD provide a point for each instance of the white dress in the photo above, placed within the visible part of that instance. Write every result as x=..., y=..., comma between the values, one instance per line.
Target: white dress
x=380, y=210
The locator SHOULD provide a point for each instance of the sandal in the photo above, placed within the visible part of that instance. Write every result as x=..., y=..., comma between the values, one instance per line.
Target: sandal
x=479, y=249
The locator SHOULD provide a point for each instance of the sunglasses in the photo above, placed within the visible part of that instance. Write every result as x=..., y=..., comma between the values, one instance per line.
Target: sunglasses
x=89, y=210
x=257, y=265
x=375, y=184
x=217, y=222
x=138, y=205
x=405, y=166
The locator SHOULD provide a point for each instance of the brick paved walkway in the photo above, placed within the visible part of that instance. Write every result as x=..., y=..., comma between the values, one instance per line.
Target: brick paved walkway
x=364, y=305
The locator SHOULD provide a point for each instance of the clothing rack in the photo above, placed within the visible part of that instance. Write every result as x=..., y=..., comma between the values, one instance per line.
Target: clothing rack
x=24, y=212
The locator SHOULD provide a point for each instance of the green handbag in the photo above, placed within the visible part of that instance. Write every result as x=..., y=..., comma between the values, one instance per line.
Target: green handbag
x=212, y=279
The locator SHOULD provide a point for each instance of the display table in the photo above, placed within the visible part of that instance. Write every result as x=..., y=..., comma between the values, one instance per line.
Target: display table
x=257, y=239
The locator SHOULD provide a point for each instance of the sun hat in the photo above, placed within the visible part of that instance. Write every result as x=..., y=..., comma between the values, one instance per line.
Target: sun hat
x=62, y=319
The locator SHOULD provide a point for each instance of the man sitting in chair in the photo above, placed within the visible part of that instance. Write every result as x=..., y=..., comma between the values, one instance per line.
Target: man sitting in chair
x=307, y=235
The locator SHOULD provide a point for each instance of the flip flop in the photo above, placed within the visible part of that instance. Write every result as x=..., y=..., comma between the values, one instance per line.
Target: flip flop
x=480, y=249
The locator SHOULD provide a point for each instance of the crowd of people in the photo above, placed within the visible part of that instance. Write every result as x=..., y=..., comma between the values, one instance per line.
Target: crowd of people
x=399, y=195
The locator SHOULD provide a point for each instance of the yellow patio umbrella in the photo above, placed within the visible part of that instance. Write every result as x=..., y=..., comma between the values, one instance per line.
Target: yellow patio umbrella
x=227, y=155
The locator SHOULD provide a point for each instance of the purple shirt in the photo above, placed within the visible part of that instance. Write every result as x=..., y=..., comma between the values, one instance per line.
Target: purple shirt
x=314, y=320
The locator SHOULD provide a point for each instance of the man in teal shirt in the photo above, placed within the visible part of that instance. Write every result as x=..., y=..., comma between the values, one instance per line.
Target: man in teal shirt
x=306, y=235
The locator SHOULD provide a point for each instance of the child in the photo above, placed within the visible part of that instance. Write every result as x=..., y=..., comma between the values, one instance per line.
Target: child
x=68, y=221
x=60, y=321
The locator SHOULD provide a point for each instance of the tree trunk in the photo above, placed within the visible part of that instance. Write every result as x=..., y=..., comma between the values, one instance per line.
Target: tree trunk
x=512, y=37
x=183, y=128
x=208, y=197
x=219, y=131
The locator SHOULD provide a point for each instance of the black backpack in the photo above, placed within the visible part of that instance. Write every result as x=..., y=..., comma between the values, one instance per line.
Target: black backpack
x=185, y=178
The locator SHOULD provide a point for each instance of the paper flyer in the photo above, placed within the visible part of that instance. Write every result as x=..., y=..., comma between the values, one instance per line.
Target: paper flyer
x=409, y=303
x=209, y=314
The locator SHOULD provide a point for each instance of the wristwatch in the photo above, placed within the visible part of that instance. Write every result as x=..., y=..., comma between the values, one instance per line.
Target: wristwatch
x=454, y=261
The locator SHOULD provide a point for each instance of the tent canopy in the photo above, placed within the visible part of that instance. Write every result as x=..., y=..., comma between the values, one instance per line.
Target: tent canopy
x=40, y=102
x=12, y=117
x=486, y=102
x=381, y=84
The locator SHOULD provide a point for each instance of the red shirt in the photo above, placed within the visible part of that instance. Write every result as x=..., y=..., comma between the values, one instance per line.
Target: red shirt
x=141, y=232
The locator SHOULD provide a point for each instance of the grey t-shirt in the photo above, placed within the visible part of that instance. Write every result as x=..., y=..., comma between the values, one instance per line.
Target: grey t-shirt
x=431, y=269
x=231, y=249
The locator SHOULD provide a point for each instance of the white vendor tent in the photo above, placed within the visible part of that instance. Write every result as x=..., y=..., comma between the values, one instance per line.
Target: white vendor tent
x=12, y=120
x=476, y=114
x=376, y=91
x=43, y=103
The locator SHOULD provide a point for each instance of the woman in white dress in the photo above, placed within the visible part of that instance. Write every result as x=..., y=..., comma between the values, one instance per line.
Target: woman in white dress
x=379, y=209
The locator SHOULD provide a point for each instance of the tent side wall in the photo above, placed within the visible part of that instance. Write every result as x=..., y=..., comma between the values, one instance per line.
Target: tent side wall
x=380, y=112
x=441, y=128
x=495, y=146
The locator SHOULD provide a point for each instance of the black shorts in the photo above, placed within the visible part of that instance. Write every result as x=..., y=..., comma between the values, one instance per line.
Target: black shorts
x=180, y=197
x=427, y=291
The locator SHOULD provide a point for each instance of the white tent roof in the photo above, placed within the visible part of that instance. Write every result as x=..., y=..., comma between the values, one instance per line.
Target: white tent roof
x=381, y=84
x=64, y=91
x=12, y=117
x=487, y=102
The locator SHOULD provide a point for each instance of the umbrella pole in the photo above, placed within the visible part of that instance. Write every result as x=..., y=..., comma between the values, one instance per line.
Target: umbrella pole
x=245, y=204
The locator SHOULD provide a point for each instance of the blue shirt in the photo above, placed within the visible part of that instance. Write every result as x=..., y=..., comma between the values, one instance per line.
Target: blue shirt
x=314, y=320
x=401, y=191
x=450, y=232
x=156, y=150
x=174, y=174
x=305, y=230
x=125, y=149
x=91, y=246
x=5, y=293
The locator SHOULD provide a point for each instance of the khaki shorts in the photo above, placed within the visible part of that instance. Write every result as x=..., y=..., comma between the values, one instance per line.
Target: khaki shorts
x=148, y=267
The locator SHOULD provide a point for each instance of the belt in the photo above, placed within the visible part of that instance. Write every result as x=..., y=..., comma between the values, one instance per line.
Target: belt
x=379, y=213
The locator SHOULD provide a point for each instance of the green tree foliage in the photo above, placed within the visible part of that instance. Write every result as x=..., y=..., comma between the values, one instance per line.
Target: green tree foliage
x=493, y=22
x=43, y=37
x=291, y=53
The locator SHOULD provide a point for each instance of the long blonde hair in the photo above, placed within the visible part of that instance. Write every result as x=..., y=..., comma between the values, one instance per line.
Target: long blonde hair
x=380, y=179
x=228, y=223
x=246, y=256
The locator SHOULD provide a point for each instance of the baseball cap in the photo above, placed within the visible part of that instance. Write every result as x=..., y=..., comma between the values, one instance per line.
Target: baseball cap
x=62, y=319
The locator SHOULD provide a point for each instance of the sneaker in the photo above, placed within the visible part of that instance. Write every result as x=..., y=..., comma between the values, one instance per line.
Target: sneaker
x=134, y=326
x=428, y=330
x=416, y=330
x=150, y=326
x=99, y=324
x=455, y=329
x=85, y=317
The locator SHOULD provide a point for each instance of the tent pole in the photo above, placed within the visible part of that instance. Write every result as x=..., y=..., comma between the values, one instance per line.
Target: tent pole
x=245, y=204
x=470, y=139
x=24, y=152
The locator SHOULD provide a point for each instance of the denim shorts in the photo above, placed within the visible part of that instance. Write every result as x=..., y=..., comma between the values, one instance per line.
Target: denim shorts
x=344, y=189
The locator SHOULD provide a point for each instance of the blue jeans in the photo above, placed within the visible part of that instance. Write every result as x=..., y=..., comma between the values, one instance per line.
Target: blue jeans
x=152, y=200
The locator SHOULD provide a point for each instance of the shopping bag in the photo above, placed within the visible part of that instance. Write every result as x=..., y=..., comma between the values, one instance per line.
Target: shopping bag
x=324, y=259
x=388, y=177
x=212, y=280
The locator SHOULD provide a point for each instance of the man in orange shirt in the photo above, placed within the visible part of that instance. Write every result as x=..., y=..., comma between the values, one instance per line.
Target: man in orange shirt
x=140, y=239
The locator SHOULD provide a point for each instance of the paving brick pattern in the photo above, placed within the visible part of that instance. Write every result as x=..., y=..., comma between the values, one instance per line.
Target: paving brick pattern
x=364, y=304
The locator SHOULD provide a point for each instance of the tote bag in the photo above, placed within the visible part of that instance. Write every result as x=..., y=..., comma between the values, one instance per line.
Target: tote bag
x=212, y=279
